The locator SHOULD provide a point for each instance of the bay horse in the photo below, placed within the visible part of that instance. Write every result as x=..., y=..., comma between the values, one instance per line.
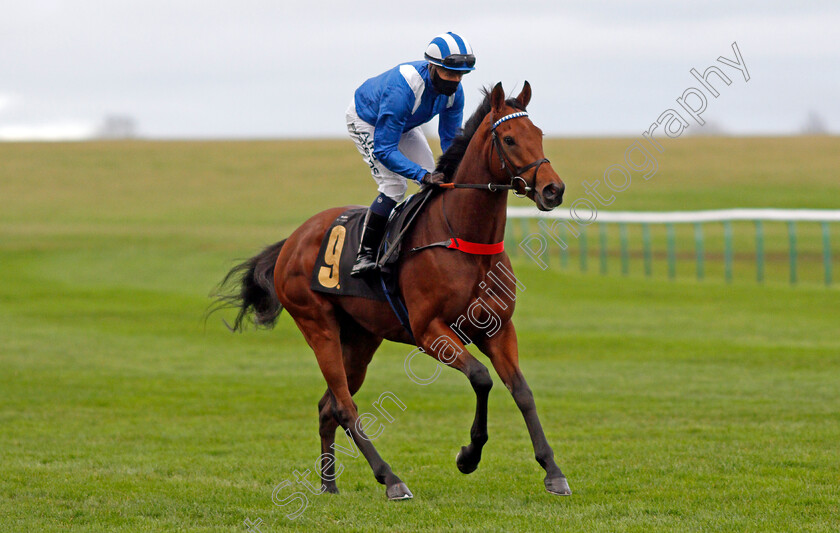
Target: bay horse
x=500, y=149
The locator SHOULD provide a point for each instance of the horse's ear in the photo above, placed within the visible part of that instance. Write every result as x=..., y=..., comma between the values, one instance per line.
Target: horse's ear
x=497, y=97
x=524, y=96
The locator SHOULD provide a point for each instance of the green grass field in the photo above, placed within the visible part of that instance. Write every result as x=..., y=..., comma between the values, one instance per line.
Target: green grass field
x=671, y=406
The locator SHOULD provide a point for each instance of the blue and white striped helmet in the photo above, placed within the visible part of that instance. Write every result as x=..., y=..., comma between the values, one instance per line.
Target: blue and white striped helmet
x=451, y=51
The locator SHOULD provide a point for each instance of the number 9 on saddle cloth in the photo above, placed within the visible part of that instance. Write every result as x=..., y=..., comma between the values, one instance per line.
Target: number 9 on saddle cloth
x=331, y=274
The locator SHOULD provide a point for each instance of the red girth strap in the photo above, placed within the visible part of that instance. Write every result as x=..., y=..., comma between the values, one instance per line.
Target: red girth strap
x=476, y=248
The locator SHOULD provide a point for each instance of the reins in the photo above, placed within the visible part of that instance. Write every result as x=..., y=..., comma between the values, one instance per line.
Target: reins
x=514, y=172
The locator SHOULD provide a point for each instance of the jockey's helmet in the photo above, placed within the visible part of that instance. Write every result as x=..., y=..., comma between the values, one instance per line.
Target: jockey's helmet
x=451, y=51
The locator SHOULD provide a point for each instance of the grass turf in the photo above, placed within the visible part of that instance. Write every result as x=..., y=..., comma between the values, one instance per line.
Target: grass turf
x=670, y=405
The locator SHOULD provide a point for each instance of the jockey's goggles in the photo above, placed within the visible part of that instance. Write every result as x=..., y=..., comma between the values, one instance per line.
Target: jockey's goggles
x=456, y=61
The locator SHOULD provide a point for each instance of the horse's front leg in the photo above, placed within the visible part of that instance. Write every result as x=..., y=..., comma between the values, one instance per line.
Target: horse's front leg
x=439, y=341
x=503, y=351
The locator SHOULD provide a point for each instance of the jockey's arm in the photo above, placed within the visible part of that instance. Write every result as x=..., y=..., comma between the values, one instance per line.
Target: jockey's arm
x=449, y=120
x=394, y=112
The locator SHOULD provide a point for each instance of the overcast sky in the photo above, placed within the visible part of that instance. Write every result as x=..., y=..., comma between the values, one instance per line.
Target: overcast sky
x=277, y=68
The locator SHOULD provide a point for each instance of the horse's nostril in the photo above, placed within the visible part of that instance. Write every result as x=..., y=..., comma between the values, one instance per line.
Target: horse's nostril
x=552, y=192
x=552, y=195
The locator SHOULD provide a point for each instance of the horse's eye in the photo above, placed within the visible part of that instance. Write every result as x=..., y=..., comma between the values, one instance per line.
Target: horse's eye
x=509, y=141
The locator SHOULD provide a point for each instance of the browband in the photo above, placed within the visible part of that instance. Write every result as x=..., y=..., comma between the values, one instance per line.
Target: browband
x=508, y=117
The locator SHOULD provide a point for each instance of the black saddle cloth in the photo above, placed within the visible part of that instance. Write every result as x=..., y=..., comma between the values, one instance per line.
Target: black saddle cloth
x=331, y=274
x=337, y=254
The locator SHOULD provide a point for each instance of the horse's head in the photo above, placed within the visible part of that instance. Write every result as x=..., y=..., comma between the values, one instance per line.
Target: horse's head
x=519, y=157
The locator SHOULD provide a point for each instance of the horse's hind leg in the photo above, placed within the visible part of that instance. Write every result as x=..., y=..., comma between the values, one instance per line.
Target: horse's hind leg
x=357, y=349
x=323, y=336
x=326, y=428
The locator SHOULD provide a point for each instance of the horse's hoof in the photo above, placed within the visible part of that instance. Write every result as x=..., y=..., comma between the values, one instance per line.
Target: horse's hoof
x=466, y=467
x=398, y=492
x=558, y=485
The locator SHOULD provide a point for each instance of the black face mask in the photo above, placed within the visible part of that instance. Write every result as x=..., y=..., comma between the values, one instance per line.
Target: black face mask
x=443, y=86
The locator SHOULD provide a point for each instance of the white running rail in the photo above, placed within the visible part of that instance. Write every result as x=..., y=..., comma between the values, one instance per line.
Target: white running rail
x=682, y=217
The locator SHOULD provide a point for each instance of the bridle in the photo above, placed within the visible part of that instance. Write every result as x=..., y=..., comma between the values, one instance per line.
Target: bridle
x=514, y=172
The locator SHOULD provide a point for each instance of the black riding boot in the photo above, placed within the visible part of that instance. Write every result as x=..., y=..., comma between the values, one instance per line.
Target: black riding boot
x=368, y=248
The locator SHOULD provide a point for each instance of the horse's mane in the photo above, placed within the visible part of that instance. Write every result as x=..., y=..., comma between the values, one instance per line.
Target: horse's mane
x=449, y=161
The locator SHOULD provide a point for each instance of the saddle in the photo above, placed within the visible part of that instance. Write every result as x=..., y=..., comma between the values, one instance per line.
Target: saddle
x=331, y=274
x=399, y=222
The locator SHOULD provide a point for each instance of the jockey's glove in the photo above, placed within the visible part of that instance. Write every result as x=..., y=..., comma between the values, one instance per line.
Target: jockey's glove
x=433, y=178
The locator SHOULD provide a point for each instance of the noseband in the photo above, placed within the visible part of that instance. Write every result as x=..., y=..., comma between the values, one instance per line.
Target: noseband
x=514, y=172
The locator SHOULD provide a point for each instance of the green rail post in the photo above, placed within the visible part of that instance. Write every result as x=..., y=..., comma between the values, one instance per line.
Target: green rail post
x=672, y=256
x=583, y=250
x=602, y=228
x=727, y=238
x=625, y=262
x=524, y=227
x=792, y=240
x=564, y=252
x=544, y=235
x=698, y=245
x=826, y=253
x=647, y=253
x=759, y=251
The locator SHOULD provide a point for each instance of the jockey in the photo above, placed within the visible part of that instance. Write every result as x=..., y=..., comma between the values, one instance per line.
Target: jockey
x=384, y=121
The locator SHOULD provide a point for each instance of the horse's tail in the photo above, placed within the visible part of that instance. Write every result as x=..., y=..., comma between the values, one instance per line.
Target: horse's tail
x=249, y=286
